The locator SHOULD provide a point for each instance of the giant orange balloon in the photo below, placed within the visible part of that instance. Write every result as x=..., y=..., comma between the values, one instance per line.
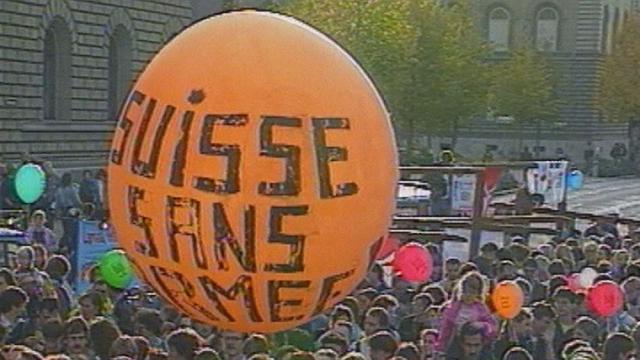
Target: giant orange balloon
x=507, y=299
x=252, y=171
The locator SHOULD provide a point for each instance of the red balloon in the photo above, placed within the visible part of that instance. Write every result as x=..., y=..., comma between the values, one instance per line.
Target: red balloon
x=604, y=298
x=389, y=245
x=413, y=263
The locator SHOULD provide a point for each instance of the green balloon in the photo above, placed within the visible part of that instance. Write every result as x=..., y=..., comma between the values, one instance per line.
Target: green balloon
x=30, y=182
x=115, y=269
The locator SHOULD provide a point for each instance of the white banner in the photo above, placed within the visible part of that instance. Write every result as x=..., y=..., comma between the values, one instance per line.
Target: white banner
x=549, y=180
x=463, y=189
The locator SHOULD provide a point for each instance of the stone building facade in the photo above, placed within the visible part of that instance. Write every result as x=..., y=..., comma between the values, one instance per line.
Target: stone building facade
x=65, y=66
x=575, y=35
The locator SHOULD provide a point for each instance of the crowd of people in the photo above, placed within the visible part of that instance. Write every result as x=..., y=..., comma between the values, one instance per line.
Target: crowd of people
x=447, y=317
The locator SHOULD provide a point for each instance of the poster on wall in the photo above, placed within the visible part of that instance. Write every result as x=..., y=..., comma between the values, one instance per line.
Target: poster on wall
x=463, y=194
x=92, y=242
x=548, y=179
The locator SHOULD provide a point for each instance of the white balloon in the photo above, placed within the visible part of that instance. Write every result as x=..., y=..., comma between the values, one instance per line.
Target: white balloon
x=586, y=277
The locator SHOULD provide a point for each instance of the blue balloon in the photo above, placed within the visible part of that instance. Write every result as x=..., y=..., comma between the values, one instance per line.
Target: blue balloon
x=575, y=180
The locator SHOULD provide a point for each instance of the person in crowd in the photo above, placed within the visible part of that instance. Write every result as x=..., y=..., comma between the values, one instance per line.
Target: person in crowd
x=183, y=344
x=419, y=319
x=382, y=345
x=467, y=306
x=148, y=323
x=255, y=344
x=41, y=255
x=58, y=269
x=92, y=305
x=325, y=354
x=523, y=203
x=442, y=318
x=543, y=329
x=486, y=261
x=207, y=354
x=408, y=351
x=469, y=343
x=517, y=333
x=334, y=341
x=564, y=303
x=6, y=279
x=102, y=334
x=76, y=338
x=619, y=346
x=451, y=274
x=13, y=302
x=588, y=330
x=124, y=345
x=517, y=353
x=38, y=233
x=89, y=191
x=376, y=319
x=232, y=345
x=67, y=202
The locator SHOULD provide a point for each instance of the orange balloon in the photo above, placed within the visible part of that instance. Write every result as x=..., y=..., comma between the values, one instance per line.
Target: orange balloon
x=507, y=298
x=252, y=172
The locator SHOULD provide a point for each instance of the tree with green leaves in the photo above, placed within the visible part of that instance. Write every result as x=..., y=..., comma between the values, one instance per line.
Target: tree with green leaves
x=618, y=97
x=430, y=62
x=427, y=59
x=449, y=75
x=522, y=88
x=374, y=32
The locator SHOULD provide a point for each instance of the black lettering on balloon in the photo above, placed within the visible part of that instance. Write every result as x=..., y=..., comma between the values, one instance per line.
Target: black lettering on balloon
x=231, y=184
x=180, y=152
x=326, y=154
x=148, y=169
x=148, y=247
x=291, y=153
x=140, y=271
x=117, y=154
x=242, y=287
x=327, y=293
x=276, y=303
x=179, y=291
x=295, y=261
x=162, y=287
x=225, y=237
x=189, y=209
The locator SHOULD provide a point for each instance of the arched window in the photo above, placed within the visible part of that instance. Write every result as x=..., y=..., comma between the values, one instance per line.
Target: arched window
x=547, y=26
x=119, y=69
x=604, y=43
x=57, y=71
x=615, y=30
x=499, y=28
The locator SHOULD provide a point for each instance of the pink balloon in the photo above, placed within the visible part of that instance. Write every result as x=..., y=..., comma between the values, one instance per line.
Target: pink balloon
x=574, y=282
x=604, y=298
x=389, y=245
x=413, y=263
